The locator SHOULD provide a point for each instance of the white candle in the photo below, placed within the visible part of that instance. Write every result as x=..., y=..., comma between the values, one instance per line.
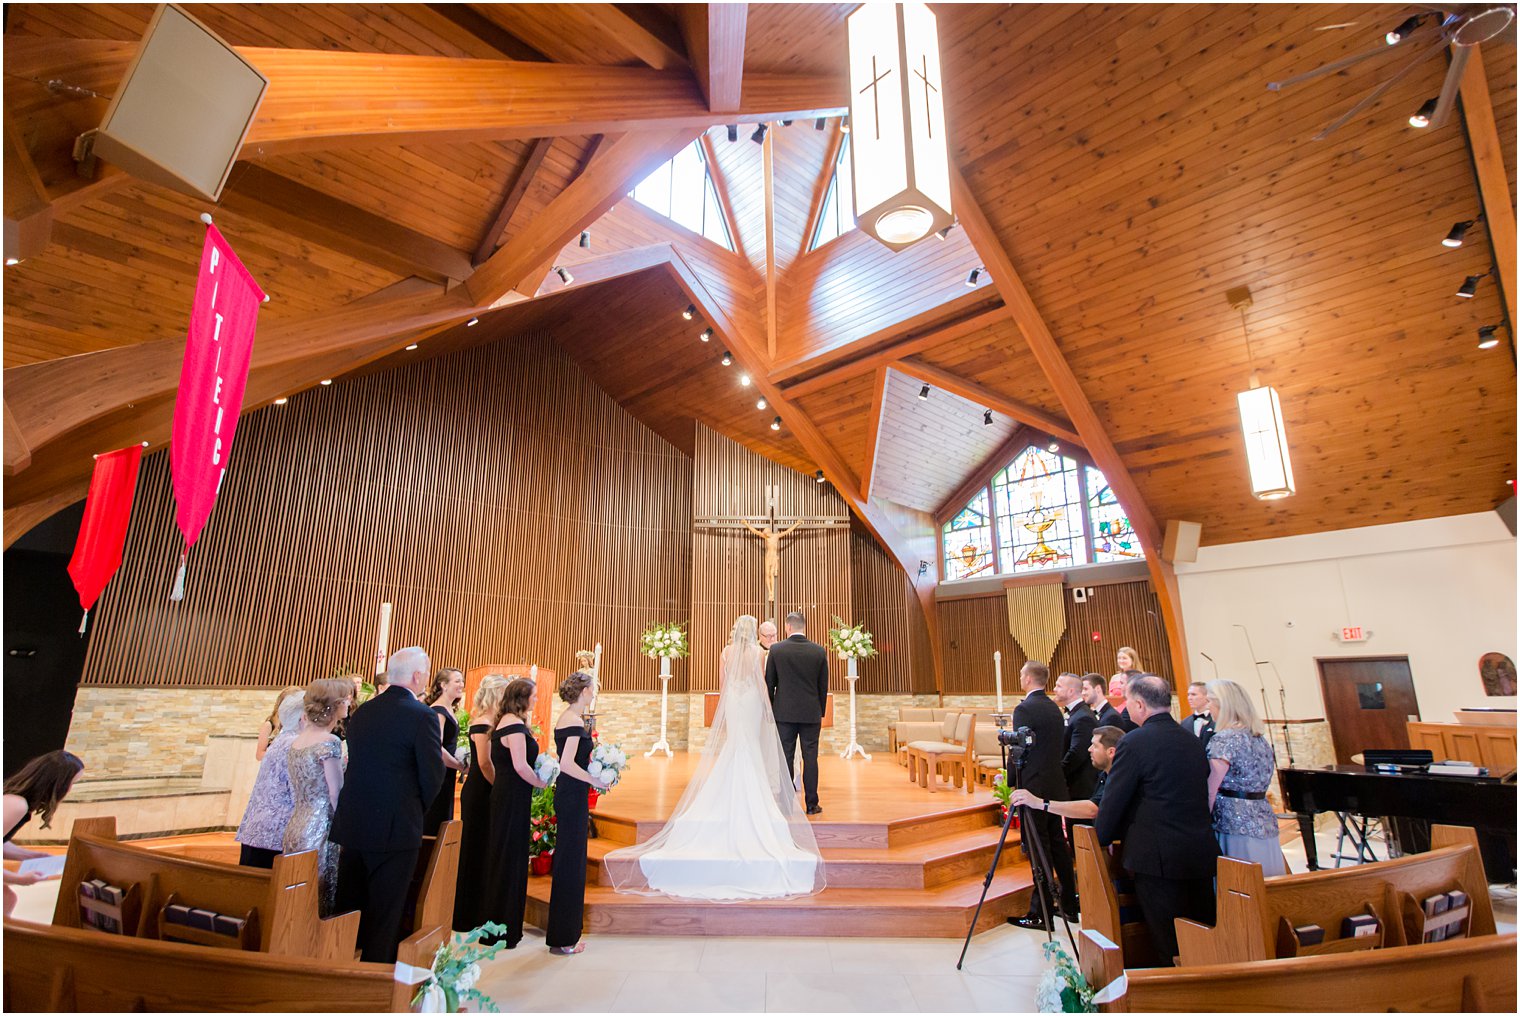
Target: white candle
x=596, y=674
x=997, y=667
x=382, y=638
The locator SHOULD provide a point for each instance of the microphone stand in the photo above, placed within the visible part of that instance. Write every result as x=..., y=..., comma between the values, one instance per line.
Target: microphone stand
x=1281, y=692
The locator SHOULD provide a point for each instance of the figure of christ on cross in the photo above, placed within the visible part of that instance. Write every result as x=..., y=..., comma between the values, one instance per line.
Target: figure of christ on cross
x=772, y=537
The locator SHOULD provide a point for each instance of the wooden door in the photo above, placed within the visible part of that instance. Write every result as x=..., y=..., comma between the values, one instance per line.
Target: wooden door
x=1369, y=701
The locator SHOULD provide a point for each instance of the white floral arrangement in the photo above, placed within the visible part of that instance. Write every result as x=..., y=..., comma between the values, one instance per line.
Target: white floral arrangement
x=547, y=767
x=456, y=970
x=664, y=640
x=1062, y=986
x=851, y=642
x=607, y=763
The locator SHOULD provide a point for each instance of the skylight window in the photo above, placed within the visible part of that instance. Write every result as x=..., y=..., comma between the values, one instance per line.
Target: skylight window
x=682, y=191
x=838, y=214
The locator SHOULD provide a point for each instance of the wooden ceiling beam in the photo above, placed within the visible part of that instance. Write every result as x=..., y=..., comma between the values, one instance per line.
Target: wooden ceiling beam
x=644, y=30
x=309, y=214
x=28, y=208
x=509, y=202
x=617, y=166
x=987, y=398
x=1090, y=431
x=821, y=186
x=715, y=43
x=18, y=454
x=592, y=147
x=484, y=29
x=1493, y=180
x=725, y=200
x=768, y=184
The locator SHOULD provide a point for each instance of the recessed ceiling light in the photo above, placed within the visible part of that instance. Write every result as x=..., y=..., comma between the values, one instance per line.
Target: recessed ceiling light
x=411, y=347
x=1054, y=447
x=281, y=401
x=760, y=403
x=472, y=322
x=744, y=380
x=326, y=381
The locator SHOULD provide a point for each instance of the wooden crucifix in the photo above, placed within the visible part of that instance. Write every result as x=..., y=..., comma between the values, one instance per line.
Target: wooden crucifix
x=770, y=530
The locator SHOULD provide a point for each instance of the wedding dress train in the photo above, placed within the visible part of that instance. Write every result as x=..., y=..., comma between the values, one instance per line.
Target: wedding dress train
x=738, y=832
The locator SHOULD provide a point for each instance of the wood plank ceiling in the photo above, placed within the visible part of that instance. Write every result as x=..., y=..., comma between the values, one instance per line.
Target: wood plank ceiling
x=1129, y=160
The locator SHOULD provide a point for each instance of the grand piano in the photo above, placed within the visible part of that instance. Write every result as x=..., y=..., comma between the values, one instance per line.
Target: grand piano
x=1411, y=801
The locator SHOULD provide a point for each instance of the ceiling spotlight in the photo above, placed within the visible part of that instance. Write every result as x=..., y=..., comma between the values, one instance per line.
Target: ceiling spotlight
x=472, y=322
x=733, y=132
x=776, y=423
x=707, y=334
x=844, y=125
x=1458, y=233
x=760, y=403
x=786, y=123
x=923, y=393
x=1486, y=337
x=759, y=134
x=12, y=261
x=281, y=401
x=986, y=418
x=1054, y=447
x=818, y=477
x=972, y=276
x=727, y=358
x=1401, y=33
x=690, y=311
x=564, y=274
x=819, y=123
x=411, y=347
x=944, y=234
x=744, y=380
x=1470, y=286
x=326, y=381
x=586, y=238
x=1422, y=118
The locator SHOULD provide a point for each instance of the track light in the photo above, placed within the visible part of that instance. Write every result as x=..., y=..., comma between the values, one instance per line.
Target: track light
x=586, y=238
x=759, y=134
x=326, y=381
x=1458, y=233
x=986, y=418
x=411, y=347
x=281, y=401
x=12, y=261
x=844, y=125
x=1054, y=447
x=733, y=132
x=760, y=403
x=1422, y=118
x=818, y=477
x=1399, y=34
x=1487, y=339
x=472, y=322
x=690, y=311
x=819, y=123
x=776, y=423
x=944, y=234
x=707, y=334
x=786, y=123
x=1470, y=287
x=564, y=274
x=923, y=393
x=727, y=358
x=744, y=380
x=972, y=276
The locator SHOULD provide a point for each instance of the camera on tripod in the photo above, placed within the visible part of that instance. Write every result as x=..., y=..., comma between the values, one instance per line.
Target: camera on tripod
x=1018, y=740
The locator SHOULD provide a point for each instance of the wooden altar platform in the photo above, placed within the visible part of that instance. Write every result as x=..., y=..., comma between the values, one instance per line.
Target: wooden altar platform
x=900, y=862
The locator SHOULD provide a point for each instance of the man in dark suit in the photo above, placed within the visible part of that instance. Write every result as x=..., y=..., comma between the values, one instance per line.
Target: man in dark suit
x=1199, y=723
x=1075, y=761
x=1041, y=775
x=394, y=771
x=1095, y=694
x=797, y=676
x=1157, y=802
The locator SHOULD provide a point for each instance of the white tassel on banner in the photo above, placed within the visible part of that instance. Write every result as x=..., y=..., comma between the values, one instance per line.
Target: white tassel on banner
x=84, y=621
x=178, y=592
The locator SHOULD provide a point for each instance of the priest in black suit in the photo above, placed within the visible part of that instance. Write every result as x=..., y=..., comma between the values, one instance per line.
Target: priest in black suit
x=1041, y=775
x=394, y=772
x=797, y=677
x=1156, y=801
x=1199, y=723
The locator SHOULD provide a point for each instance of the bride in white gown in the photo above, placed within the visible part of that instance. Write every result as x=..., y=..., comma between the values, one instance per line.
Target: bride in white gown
x=738, y=832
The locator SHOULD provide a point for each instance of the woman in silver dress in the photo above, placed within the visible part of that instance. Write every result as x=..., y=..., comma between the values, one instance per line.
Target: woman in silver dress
x=316, y=778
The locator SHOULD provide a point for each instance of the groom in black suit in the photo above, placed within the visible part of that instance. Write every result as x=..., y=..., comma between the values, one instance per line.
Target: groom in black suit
x=394, y=771
x=797, y=676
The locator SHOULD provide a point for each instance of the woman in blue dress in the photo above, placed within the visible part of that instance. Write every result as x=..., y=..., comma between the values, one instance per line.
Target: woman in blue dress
x=1241, y=765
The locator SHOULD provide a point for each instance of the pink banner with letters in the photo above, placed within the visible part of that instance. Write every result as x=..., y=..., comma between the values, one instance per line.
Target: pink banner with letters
x=217, y=350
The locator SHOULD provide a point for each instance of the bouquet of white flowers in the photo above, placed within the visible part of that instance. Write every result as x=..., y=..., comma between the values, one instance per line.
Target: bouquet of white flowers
x=547, y=767
x=1062, y=987
x=664, y=640
x=850, y=642
x=607, y=763
x=456, y=971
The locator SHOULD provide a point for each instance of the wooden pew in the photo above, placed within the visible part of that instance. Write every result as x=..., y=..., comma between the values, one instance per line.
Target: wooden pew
x=1461, y=975
x=431, y=899
x=282, y=900
x=1098, y=871
x=1256, y=915
x=55, y=969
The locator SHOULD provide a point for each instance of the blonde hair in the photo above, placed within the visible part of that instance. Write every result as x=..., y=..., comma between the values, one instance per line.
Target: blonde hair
x=488, y=697
x=1235, y=708
x=323, y=697
x=1135, y=666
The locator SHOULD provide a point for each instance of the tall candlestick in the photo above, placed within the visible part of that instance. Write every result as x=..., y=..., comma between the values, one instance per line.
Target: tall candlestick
x=382, y=638
x=596, y=673
x=997, y=666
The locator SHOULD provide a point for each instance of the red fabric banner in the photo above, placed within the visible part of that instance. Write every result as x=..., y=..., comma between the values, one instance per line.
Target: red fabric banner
x=217, y=350
x=103, y=533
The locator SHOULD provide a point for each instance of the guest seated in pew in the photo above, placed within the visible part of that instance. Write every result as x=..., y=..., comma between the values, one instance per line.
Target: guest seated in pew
x=270, y=728
x=262, y=831
x=1241, y=765
x=1157, y=802
x=37, y=789
x=315, y=763
x=1105, y=741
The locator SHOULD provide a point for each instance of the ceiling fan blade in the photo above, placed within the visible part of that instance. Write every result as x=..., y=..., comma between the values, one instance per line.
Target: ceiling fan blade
x=1377, y=93
x=1459, y=55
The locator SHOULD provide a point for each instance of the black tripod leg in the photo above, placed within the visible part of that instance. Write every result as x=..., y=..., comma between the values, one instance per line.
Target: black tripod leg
x=997, y=856
x=1043, y=877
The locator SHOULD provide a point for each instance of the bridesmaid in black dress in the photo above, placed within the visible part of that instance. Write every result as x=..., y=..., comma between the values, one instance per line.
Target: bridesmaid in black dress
x=567, y=897
x=443, y=694
x=475, y=808
x=513, y=752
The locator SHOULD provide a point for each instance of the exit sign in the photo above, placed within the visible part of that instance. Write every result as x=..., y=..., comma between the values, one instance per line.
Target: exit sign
x=1353, y=634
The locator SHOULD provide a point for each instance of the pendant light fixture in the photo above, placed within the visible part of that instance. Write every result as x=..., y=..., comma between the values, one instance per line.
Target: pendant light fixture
x=1261, y=422
x=901, y=165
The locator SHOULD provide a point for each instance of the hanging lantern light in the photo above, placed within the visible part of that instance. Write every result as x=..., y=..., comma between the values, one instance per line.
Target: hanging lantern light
x=1261, y=421
x=898, y=145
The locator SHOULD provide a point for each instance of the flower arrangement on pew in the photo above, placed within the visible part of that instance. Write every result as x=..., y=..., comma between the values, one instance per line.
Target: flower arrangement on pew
x=667, y=640
x=1062, y=986
x=456, y=971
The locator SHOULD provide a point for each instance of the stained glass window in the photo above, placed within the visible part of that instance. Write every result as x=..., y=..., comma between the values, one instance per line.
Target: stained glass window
x=1039, y=513
x=1113, y=538
x=838, y=213
x=682, y=190
x=968, y=541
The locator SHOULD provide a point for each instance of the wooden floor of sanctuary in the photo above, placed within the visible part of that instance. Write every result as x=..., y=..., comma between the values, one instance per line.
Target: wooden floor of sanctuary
x=900, y=861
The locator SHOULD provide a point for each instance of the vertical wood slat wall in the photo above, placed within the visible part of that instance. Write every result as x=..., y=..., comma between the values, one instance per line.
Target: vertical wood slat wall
x=886, y=605
x=1123, y=614
x=505, y=505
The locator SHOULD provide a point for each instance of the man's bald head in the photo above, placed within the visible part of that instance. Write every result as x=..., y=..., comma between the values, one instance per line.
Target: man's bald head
x=767, y=634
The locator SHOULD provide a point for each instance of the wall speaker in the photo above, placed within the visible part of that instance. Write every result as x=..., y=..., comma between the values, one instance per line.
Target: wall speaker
x=1181, y=542
x=1506, y=512
x=181, y=113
